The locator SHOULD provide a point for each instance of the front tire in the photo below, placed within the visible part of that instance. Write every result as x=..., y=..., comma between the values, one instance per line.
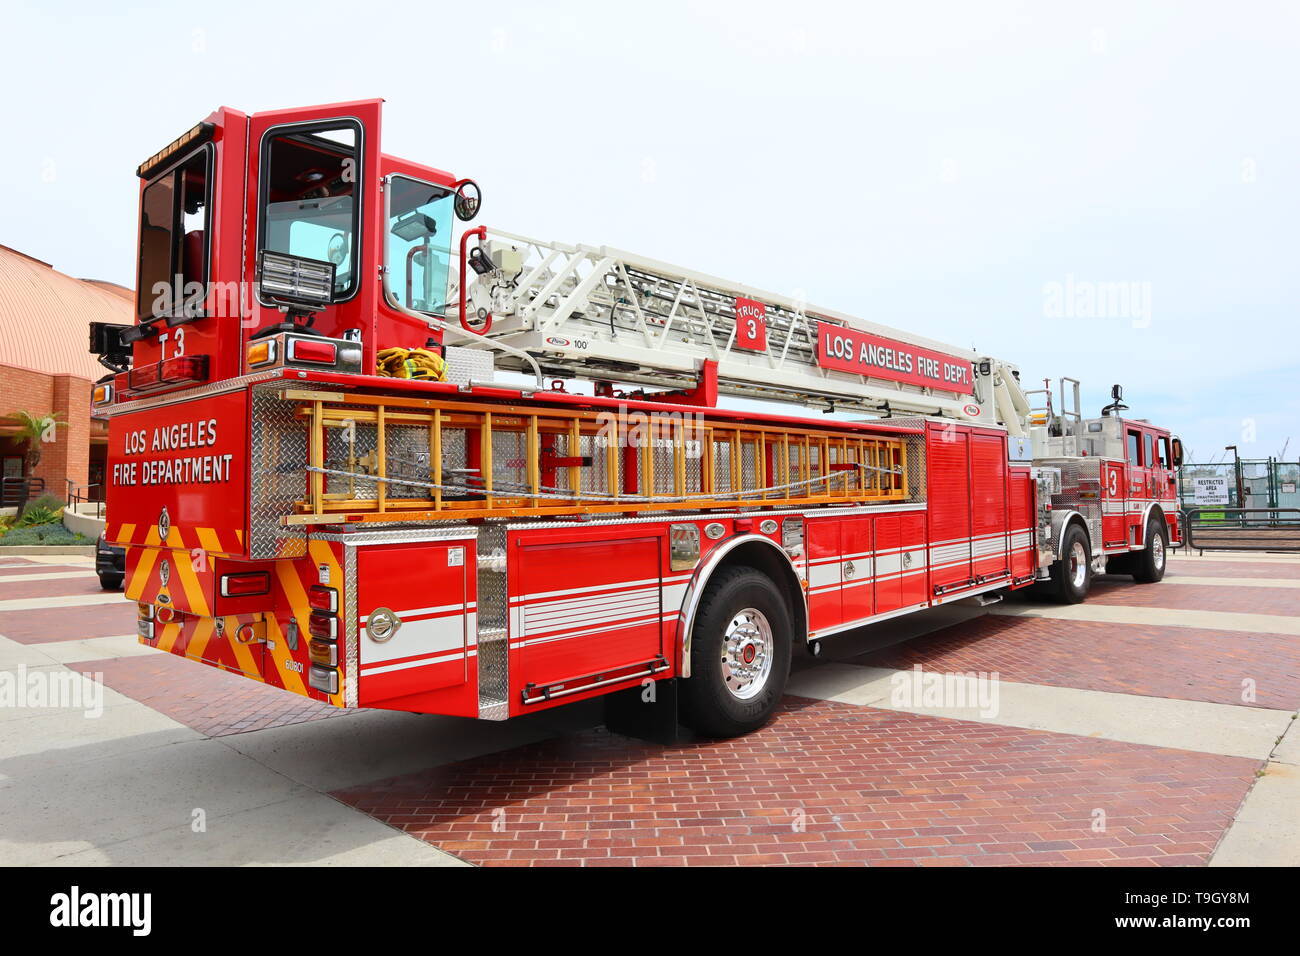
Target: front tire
x=1151, y=560
x=1072, y=574
x=740, y=655
x=110, y=582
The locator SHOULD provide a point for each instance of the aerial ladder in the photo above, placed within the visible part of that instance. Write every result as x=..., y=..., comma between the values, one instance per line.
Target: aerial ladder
x=600, y=313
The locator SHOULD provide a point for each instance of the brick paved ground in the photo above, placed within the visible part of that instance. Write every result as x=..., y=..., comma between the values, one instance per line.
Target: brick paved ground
x=1246, y=600
x=208, y=700
x=1209, y=568
x=1179, y=662
x=873, y=787
x=31, y=567
x=49, y=625
x=17, y=590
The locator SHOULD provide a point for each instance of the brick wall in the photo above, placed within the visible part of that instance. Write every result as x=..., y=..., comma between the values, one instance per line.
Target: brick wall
x=68, y=456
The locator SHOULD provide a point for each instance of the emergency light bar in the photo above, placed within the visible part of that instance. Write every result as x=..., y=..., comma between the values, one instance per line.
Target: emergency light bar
x=198, y=135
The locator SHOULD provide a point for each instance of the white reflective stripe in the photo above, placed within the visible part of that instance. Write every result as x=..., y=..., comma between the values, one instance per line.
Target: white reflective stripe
x=539, y=595
x=421, y=611
x=535, y=623
x=414, y=638
x=824, y=574
x=564, y=636
x=374, y=669
x=674, y=595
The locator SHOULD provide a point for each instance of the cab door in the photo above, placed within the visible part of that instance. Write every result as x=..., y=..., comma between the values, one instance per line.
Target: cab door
x=313, y=192
x=1137, y=444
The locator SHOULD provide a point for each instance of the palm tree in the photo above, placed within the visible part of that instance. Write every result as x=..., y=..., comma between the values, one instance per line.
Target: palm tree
x=36, y=429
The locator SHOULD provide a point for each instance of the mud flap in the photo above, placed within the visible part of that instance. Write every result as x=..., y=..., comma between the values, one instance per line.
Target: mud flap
x=629, y=713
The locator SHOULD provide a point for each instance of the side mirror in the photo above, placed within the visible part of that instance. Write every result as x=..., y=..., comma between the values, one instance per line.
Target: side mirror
x=1116, y=393
x=1177, y=444
x=469, y=200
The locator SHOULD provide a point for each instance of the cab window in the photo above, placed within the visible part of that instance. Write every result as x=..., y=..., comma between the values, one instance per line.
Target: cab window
x=1148, y=452
x=1162, y=449
x=1134, y=448
x=174, y=224
x=417, y=247
x=310, y=202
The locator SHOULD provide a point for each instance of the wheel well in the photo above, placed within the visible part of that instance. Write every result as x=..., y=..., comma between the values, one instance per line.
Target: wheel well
x=1074, y=519
x=763, y=557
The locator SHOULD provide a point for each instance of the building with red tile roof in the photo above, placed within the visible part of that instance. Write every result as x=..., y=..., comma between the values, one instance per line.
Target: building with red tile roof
x=45, y=369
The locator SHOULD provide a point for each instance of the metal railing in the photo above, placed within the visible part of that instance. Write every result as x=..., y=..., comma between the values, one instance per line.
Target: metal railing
x=1242, y=529
x=16, y=492
x=80, y=495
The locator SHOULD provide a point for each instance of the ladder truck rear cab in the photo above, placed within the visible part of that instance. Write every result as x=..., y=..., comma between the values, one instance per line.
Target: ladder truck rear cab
x=350, y=458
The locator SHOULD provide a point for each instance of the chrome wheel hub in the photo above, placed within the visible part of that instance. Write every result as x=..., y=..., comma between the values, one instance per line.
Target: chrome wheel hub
x=1078, y=564
x=1158, y=552
x=747, y=653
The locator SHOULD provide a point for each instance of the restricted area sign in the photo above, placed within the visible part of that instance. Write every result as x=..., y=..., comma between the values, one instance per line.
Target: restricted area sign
x=1210, y=491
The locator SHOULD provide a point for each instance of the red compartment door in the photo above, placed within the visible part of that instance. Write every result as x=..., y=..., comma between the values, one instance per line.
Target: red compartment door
x=584, y=606
x=429, y=588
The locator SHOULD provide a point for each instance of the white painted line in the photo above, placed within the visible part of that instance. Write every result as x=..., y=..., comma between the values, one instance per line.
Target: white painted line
x=1156, y=617
x=1155, y=721
x=71, y=600
x=1290, y=583
x=1238, y=556
x=47, y=576
x=1266, y=830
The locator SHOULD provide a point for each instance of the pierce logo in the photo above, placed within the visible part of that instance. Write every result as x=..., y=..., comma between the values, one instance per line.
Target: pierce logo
x=164, y=524
x=165, y=572
x=556, y=340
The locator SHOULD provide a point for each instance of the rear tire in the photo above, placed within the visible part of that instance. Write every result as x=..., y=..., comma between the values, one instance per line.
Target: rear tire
x=740, y=655
x=1072, y=574
x=110, y=582
x=1151, y=560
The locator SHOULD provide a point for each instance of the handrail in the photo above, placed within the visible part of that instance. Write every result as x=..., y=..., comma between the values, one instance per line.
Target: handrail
x=1235, y=528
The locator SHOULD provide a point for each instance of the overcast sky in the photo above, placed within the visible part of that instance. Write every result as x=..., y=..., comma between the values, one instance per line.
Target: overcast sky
x=979, y=173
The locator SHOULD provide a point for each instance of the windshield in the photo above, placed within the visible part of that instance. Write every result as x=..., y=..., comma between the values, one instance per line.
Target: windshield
x=309, y=199
x=418, y=247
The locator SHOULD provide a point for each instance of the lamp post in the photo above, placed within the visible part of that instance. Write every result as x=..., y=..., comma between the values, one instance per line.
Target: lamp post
x=1236, y=466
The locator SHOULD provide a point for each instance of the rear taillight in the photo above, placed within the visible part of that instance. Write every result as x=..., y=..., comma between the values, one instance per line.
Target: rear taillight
x=318, y=351
x=324, y=653
x=323, y=626
x=173, y=371
x=322, y=598
x=246, y=584
x=145, y=629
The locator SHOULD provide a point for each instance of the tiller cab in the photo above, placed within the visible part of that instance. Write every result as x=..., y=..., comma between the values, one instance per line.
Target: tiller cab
x=373, y=456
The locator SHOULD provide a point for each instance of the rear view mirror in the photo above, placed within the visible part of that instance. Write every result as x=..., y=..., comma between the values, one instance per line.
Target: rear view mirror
x=1178, y=452
x=468, y=200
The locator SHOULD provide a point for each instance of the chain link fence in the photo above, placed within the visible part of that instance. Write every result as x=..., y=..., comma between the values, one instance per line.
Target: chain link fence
x=1248, y=483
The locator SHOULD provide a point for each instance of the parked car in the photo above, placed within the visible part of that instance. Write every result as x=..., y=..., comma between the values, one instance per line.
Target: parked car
x=110, y=564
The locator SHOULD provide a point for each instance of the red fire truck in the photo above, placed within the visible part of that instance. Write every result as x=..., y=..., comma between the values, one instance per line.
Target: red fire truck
x=359, y=457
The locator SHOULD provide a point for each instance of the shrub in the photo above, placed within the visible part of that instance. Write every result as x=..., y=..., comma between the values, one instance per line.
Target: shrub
x=37, y=515
x=41, y=534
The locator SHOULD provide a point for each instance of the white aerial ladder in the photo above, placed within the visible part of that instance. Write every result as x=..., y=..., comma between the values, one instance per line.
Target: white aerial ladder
x=599, y=313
